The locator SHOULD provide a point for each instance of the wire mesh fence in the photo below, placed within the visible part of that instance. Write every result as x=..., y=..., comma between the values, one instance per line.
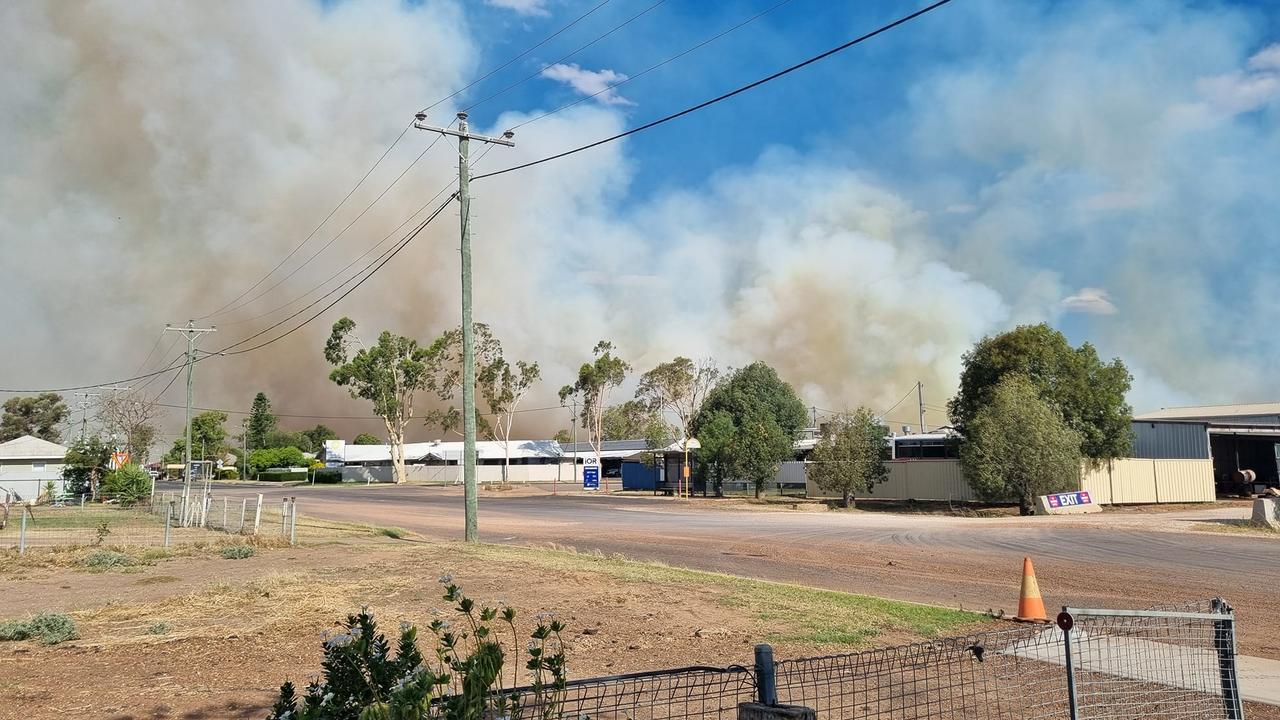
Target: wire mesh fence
x=158, y=521
x=1167, y=663
x=691, y=693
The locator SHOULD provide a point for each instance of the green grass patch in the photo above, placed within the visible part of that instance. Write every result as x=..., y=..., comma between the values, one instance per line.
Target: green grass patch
x=792, y=613
x=103, y=560
x=394, y=533
x=238, y=552
x=159, y=628
x=48, y=628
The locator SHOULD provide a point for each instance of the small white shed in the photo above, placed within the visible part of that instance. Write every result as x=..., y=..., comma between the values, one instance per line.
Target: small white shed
x=27, y=464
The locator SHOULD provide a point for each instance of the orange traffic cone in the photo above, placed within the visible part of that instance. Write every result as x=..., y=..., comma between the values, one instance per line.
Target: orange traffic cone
x=1030, y=604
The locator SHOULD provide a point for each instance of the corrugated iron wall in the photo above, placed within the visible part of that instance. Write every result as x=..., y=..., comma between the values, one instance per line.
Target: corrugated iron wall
x=1170, y=440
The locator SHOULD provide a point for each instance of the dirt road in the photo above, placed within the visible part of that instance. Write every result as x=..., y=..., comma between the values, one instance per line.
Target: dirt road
x=1101, y=560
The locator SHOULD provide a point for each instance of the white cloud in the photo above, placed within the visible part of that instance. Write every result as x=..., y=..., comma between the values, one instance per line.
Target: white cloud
x=1236, y=93
x=522, y=7
x=592, y=83
x=960, y=208
x=1268, y=58
x=1090, y=301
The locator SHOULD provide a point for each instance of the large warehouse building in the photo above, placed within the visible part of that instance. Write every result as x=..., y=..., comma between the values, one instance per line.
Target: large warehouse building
x=1239, y=439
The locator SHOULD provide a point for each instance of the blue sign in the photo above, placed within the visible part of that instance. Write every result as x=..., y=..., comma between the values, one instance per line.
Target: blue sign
x=1071, y=499
x=591, y=477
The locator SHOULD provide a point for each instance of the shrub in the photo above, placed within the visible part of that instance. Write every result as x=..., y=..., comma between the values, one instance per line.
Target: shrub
x=281, y=457
x=159, y=628
x=127, y=485
x=282, y=475
x=228, y=473
x=238, y=552
x=462, y=679
x=327, y=475
x=107, y=559
x=48, y=628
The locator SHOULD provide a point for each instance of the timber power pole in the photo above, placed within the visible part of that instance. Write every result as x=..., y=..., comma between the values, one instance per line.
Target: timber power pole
x=191, y=333
x=471, y=533
x=920, y=403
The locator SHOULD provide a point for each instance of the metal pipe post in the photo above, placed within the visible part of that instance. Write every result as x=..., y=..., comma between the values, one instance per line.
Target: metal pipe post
x=766, y=678
x=1065, y=624
x=22, y=531
x=168, y=522
x=244, y=506
x=1224, y=642
x=293, y=522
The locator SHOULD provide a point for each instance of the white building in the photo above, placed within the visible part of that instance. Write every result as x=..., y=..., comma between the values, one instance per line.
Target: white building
x=27, y=464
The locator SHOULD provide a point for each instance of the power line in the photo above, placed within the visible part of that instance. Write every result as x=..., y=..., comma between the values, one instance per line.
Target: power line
x=651, y=68
x=504, y=65
x=722, y=97
x=339, y=234
x=312, y=234
x=579, y=49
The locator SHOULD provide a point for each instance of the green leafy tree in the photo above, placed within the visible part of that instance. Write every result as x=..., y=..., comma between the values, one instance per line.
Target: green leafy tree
x=289, y=438
x=563, y=436
x=261, y=421
x=1019, y=446
x=634, y=419
x=850, y=455
x=208, y=438
x=38, y=415
x=84, y=465
x=748, y=425
x=284, y=457
x=317, y=435
x=679, y=387
x=366, y=439
x=596, y=380
x=128, y=485
x=500, y=384
x=1088, y=393
x=388, y=375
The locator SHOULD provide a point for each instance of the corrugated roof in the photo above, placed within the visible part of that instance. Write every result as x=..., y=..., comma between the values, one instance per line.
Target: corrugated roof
x=485, y=450
x=1199, y=412
x=29, y=446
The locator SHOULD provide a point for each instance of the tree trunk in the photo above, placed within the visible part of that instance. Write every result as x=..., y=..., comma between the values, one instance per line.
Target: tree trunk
x=846, y=501
x=397, y=454
x=759, y=486
x=506, y=461
x=1024, y=506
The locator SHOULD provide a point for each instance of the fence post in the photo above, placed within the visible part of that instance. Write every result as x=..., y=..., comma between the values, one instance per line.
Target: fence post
x=168, y=522
x=224, y=514
x=244, y=506
x=82, y=500
x=1224, y=641
x=22, y=530
x=257, y=514
x=293, y=521
x=1065, y=623
x=766, y=680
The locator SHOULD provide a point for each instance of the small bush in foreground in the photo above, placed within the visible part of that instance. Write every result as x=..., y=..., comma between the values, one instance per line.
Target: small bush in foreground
x=159, y=628
x=48, y=628
x=462, y=679
x=394, y=533
x=107, y=559
x=238, y=552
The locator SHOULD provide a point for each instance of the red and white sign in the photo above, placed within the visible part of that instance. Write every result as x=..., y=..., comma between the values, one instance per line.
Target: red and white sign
x=1068, y=503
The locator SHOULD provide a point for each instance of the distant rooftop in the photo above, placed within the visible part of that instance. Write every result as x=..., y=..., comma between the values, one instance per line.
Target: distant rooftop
x=29, y=446
x=1240, y=411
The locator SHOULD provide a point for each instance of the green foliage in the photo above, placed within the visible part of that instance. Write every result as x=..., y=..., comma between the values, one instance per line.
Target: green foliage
x=462, y=678
x=317, y=435
x=261, y=421
x=228, y=473
x=563, y=436
x=106, y=560
x=747, y=426
x=851, y=454
x=48, y=628
x=208, y=438
x=327, y=476
x=388, y=375
x=159, y=628
x=267, y=458
x=1088, y=393
x=633, y=420
x=367, y=439
x=590, y=392
x=277, y=439
x=86, y=461
x=394, y=533
x=38, y=415
x=679, y=387
x=1019, y=447
x=127, y=485
x=238, y=552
